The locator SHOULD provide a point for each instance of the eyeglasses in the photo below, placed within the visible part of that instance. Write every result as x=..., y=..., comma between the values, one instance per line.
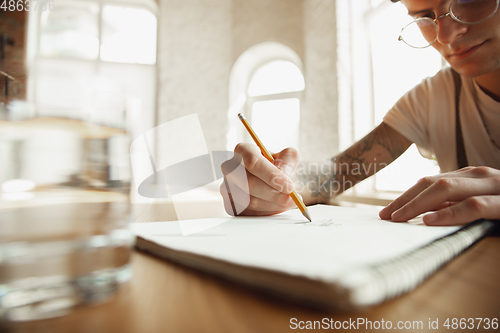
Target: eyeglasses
x=423, y=32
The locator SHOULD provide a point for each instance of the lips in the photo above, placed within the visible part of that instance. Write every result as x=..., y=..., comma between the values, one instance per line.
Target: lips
x=465, y=52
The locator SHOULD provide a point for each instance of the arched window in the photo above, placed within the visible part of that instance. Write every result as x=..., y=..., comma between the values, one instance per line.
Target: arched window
x=276, y=77
x=267, y=80
x=94, y=60
x=274, y=103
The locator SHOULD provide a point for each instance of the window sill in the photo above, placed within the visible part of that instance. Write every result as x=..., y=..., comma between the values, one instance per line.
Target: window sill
x=372, y=198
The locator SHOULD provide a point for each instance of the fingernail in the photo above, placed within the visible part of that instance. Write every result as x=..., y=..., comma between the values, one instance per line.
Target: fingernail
x=429, y=218
x=396, y=215
x=383, y=213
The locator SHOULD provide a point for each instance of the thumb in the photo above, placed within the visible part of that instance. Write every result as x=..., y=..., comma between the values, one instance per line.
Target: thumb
x=287, y=161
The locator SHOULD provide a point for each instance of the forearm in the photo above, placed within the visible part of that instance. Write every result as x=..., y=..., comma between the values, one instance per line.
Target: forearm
x=319, y=182
x=322, y=182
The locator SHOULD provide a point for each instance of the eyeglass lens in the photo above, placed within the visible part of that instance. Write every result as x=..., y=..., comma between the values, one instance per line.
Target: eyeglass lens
x=473, y=11
x=423, y=31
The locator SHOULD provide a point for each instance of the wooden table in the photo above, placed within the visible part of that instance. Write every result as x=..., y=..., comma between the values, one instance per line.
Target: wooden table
x=166, y=297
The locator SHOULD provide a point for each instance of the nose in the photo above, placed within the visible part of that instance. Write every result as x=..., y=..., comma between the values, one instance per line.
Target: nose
x=449, y=29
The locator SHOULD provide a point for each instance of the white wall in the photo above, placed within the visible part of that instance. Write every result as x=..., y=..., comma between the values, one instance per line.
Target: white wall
x=194, y=61
x=200, y=40
x=319, y=126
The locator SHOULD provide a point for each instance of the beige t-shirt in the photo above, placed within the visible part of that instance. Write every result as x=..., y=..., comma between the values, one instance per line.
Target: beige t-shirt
x=426, y=116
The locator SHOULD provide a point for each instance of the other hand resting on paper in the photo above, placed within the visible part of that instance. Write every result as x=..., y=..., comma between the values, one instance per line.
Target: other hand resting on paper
x=457, y=197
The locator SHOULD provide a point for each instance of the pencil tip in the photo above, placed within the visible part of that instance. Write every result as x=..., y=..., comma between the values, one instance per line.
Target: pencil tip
x=241, y=116
x=306, y=214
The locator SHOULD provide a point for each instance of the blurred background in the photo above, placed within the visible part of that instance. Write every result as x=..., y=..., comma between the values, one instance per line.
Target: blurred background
x=313, y=74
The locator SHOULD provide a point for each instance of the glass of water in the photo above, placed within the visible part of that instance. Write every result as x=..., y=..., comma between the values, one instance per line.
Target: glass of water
x=64, y=213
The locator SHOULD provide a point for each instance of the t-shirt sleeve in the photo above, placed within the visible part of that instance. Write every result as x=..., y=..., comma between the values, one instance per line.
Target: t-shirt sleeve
x=409, y=116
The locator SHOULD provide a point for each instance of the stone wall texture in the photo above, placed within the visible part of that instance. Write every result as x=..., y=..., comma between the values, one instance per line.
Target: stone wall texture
x=199, y=41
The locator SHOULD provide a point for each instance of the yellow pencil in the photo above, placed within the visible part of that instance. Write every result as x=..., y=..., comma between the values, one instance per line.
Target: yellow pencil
x=295, y=197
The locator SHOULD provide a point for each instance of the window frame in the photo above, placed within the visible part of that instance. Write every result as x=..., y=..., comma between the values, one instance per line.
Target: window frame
x=356, y=68
x=34, y=57
x=241, y=75
x=250, y=100
x=34, y=19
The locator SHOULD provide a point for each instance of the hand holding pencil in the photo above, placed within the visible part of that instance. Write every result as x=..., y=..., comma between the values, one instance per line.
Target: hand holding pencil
x=270, y=188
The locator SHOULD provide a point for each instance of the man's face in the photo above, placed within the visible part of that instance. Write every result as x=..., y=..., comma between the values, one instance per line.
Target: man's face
x=472, y=50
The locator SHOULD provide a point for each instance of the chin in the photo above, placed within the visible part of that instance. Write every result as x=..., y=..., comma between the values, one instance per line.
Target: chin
x=472, y=69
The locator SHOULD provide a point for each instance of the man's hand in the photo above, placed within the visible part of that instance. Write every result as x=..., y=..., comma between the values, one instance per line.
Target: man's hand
x=267, y=187
x=457, y=197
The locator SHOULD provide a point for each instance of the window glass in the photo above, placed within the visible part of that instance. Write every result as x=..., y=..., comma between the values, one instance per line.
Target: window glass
x=400, y=67
x=128, y=35
x=70, y=78
x=277, y=122
x=276, y=77
x=394, y=61
x=376, y=3
x=70, y=30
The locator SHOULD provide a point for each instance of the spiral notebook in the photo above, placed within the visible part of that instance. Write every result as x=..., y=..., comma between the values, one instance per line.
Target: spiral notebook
x=347, y=258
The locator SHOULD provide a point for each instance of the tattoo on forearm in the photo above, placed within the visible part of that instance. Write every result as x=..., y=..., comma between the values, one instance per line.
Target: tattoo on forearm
x=369, y=155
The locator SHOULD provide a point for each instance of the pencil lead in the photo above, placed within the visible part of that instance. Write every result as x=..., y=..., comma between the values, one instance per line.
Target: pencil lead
x=306, y=214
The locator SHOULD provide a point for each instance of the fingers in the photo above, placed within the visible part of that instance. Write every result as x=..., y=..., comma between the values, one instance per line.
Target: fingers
x=416, y=189
x=406, y=197
x=261, y=168
x=253, y=198
x=471, y=209
x=237, y=201
x=263, y=188
x=445, y=205
x=229, y=203
x=475, y=172
x=287, y=161
x=485, y=173
x=456, y=197
x=441, y=191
